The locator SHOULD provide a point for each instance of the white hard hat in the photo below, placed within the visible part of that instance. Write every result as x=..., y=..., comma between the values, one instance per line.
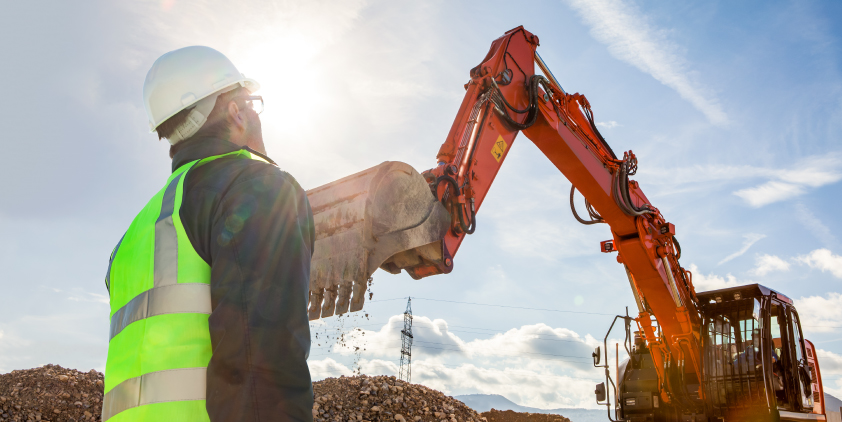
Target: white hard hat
x=183, y=77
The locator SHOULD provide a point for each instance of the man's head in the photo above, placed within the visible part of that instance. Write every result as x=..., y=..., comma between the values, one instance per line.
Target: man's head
x=196, y=91
x=233, y=118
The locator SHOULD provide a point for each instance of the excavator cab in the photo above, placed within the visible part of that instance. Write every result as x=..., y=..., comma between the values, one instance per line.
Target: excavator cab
x=757, y=364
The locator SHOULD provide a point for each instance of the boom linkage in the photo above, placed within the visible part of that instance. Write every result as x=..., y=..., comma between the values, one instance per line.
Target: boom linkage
x=504, y=97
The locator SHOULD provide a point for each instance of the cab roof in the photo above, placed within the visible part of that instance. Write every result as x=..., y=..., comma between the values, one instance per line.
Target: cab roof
x=746, y=291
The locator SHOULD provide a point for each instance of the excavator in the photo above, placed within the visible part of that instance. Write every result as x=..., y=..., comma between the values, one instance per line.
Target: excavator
x=735, y=354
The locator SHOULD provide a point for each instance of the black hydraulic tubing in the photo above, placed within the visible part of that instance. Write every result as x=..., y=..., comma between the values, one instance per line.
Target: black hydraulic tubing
x=450, y=180
x=473, y=227
x=575, y=214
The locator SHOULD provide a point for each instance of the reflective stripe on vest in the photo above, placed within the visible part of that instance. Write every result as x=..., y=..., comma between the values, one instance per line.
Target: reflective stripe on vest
x=155, y=387
x=174, y=299
x=159, y=342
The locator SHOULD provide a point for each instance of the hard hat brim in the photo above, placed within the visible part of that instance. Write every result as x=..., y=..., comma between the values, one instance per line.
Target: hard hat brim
x=250, y=84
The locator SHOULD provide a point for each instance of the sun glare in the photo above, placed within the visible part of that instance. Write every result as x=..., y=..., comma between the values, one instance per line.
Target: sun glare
x=284, y=64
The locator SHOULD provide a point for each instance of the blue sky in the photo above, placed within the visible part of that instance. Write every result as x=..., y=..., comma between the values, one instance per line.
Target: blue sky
x=733, y=110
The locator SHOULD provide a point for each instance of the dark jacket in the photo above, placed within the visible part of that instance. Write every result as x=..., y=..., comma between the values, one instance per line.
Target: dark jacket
x=252, y=223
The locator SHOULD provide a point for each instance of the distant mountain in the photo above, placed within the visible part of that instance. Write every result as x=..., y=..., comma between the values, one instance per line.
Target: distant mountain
x=485, y=402
x=830, y=403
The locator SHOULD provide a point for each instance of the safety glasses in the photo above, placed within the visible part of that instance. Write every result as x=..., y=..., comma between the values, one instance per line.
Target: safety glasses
x=254, y=102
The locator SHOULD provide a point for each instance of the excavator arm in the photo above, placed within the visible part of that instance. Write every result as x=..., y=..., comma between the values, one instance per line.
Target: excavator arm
x=394, y=218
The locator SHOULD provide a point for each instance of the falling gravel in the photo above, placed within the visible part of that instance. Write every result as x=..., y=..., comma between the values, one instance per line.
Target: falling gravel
x=50, y=393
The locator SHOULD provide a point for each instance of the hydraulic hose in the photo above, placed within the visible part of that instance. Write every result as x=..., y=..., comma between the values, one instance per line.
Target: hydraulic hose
x=448, y=179
x=473, y=227
x=575, y=214
x=468, y=229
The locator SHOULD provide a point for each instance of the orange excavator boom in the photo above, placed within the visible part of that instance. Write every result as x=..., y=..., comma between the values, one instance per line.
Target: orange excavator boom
x=394, y=218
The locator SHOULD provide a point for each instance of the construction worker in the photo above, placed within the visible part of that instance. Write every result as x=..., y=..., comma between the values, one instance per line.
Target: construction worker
x=209, y=285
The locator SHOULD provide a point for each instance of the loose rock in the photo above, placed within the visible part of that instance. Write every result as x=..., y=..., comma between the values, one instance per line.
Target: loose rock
x=382, y=398
x=43, y=394
x=494, y=415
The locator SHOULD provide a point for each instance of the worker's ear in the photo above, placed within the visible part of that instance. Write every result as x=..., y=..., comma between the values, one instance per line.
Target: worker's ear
x=235, y=116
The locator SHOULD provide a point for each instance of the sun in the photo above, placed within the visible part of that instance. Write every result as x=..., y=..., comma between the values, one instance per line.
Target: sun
x=286, y=66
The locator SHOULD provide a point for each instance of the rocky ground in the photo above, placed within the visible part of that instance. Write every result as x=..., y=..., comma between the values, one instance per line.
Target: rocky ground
x=511, y=416
x=55, y=394
x=382, y=398
x=50, y=393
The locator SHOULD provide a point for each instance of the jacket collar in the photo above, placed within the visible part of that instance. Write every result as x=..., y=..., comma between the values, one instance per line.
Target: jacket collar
x=198, y=149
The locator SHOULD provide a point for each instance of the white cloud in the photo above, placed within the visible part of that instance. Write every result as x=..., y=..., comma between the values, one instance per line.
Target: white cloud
x=770, y=192
x=712, y=282
x=328, y=367
x=535, y=365
x=831, y=365
x=780, y=183
x=806, y=217
x=632, y=39
x=809, y=172
x=527, y=384
x=824, y=260
x=608, y=125
x=538, y=340
x=750, y=239
x=434, y=338
x=769, y=263
x=821, y=314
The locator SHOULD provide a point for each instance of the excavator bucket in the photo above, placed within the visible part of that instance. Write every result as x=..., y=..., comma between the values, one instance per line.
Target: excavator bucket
x=383, y=217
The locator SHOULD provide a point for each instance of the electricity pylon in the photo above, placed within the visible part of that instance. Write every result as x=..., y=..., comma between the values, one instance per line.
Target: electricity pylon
x=406, y=340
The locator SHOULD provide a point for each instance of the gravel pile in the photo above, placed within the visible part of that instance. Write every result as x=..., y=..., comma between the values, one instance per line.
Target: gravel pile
x=50, y=393
x=382, y=398
x=55, y=394
x=494, y=415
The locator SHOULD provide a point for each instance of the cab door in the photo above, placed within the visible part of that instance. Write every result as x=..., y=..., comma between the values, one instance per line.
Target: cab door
x=799, y=366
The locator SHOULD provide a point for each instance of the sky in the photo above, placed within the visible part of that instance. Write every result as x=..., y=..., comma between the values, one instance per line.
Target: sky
x=732, y=108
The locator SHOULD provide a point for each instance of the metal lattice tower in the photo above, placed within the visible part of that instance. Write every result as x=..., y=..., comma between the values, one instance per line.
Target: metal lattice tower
x=406, y=340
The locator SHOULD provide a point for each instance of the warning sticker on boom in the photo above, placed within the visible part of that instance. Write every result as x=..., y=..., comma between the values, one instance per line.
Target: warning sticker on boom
x=499, y=148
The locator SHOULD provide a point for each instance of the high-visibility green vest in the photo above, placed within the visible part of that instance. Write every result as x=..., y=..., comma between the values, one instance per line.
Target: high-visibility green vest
x=159, y=345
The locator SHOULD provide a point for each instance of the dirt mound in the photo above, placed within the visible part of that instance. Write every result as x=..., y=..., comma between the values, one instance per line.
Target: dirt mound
x=494, y=415
x=50, y=393
x=382, y=398
x=55, y=394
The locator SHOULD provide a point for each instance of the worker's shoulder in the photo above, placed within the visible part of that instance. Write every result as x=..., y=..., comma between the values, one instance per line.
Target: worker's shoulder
x=225, y=173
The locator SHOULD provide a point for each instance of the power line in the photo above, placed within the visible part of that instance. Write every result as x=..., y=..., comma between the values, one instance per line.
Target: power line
x=539, y=309
x=450, y=366
x=431, y=327
x=513, y=307
x=460, y=350
x=487, y=355
x=499, y=306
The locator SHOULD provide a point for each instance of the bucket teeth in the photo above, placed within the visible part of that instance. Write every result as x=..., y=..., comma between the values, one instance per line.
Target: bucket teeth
x=315, y=304
x=329, y=303
x=359, y=295
x=362, y=221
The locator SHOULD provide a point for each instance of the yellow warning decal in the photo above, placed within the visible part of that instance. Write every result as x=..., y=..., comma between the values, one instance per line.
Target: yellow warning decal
x=499, y=148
